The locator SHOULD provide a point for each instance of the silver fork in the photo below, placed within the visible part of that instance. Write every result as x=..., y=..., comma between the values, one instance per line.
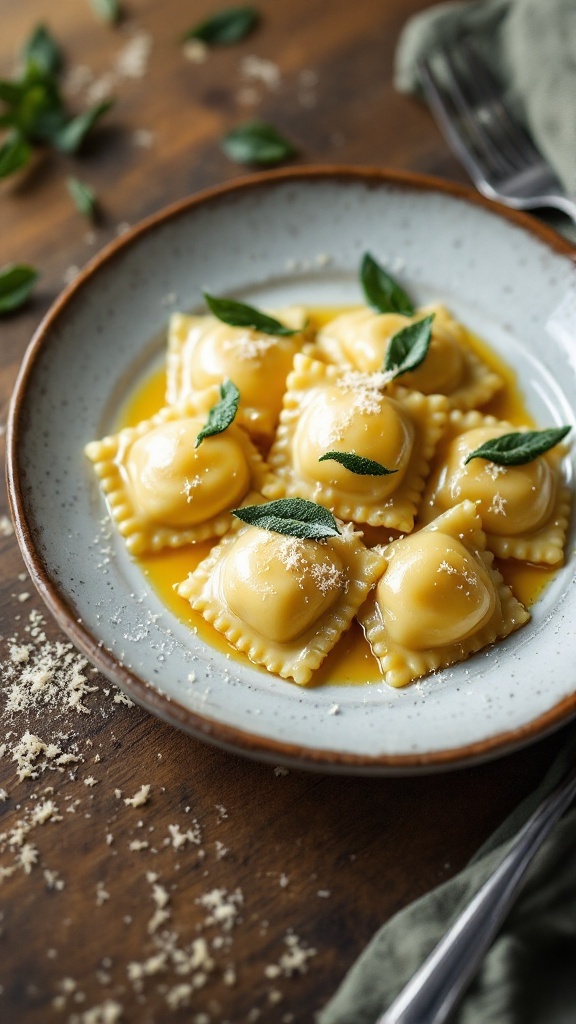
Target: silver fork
x=495, y=149
x=435, y=989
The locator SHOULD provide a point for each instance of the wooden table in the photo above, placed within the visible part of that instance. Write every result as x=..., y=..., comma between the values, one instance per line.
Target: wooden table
x=303, y=862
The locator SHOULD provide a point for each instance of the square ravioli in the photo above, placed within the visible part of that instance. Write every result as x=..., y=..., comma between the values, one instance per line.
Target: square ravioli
x=203, y=351
x=283, y=601
x=439, y=599
x=358, y=340
x=524, y=509
x=327, y=409
x=162, y=490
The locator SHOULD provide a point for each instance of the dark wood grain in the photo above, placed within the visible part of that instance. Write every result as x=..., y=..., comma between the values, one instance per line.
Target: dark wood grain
x=327, y=859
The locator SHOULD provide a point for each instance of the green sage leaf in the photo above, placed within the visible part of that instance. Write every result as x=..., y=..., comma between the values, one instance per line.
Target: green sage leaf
x=41, y=53
x=222, y=414
x=238, y=314
x=82, y=196
x=357, y=464
x=295, y=517
x=257, y=142
x=408, y=348
x=519, y=447
x=71, y=136
x=225, y=27
x=10, y=92
x=16, y=282
x=14, y=154
x=106, y=10
x=381, y=291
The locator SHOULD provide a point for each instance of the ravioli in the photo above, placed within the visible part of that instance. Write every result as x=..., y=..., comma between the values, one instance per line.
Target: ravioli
x=162, y=490
x=359, y=339
x=327, y=409
x=524, y=509
x=203, y=351
x=283, y=601
x=439, y=599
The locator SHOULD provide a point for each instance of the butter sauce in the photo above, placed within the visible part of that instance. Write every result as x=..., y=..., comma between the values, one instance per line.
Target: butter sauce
x=351, y=661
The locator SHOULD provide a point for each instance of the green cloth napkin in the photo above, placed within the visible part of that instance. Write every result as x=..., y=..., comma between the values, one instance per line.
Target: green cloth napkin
x=531, y=47
x=529, y=974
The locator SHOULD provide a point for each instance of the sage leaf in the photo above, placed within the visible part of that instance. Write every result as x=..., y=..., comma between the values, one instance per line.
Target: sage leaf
x=519, y=447
x=106, y=10
x=407, y=349
x=222, y=414
x=14, y=154
x=295, y=517
x=357, y=464
x=381, y=291
x=71, y=136
x=16, y=282
x=225, y=27
x=257, y=142
x=238, y=314
x=82, y=196
x=41, y=53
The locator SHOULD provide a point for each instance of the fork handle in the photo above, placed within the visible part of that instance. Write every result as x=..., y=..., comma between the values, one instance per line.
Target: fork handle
x=431, y=994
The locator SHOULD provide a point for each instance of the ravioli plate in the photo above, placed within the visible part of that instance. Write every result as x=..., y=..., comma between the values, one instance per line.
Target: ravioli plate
x=290, y=237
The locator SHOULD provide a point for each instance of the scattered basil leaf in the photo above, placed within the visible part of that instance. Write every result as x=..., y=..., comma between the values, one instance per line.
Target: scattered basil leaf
x=257, y=142
x=72, y=135
x=16, y=282
x=295, y=517
x=408, y=347
x=225, y=27
x=222, y=414
x=519, y=447
x=14, y=154
x=106, y=10
x=357, y=464
x=82, y=196
x=41, y=53
x=381, y=291
x=238, y=314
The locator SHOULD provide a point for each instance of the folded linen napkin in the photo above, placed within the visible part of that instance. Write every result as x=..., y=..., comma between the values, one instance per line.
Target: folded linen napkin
x=531, y=47
x=529, y=974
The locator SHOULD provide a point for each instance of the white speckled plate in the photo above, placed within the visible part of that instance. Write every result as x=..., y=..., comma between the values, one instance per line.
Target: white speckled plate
x=290, y=236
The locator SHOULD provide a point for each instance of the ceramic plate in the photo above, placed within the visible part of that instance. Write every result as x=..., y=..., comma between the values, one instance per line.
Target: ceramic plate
x=281, y=238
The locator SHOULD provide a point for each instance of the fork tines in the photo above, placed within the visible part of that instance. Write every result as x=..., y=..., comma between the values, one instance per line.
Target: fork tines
x=467, y=102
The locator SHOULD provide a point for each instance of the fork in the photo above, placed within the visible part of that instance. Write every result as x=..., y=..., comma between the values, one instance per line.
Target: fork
x=495, y=149
x=435, y=989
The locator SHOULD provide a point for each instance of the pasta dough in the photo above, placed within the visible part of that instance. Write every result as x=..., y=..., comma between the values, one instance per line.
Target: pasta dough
x=326, y=409
x=359, y=340
x=285, y=602
x=203, y=351
x=162, y=490
x=524, y=509
x=439, y=599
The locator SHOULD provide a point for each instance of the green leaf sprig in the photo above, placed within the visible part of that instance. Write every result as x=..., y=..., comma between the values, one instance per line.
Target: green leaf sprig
x=357, y=464
x=16, y=282
x=381, y=291
x=257, y=143
x=519, y=447
x=295, y=517
x=224, y=28
x=222, y=414
x=408, y=348
x=32, y=108
x=82, y=196
x=238, y=314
